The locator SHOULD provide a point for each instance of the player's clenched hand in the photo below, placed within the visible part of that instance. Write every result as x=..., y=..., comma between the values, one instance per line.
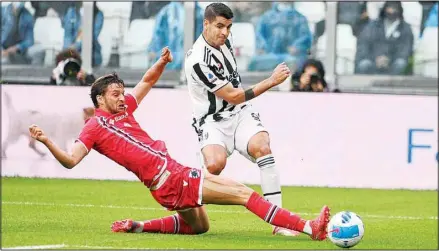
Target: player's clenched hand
x=280, y=73
x=37, y=133
x=166, y=55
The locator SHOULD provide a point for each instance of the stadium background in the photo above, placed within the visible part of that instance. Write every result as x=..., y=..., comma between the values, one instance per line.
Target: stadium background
x=130, y=39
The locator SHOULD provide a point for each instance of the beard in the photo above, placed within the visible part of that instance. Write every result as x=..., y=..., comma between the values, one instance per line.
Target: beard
x=112, y=108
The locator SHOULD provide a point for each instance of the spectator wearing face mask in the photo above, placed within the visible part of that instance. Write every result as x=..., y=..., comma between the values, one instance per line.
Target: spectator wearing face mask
x=282, y=35
x=385, y=45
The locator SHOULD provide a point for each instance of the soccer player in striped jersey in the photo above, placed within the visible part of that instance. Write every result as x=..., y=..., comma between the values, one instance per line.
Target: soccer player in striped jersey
x=115, y=133
x=223, y=117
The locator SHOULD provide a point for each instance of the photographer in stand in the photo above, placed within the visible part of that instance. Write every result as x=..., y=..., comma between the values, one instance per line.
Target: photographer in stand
x=311, y=77
x=68, y=70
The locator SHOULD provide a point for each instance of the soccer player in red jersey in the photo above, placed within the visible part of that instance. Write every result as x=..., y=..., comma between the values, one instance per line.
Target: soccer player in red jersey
x=115, y=133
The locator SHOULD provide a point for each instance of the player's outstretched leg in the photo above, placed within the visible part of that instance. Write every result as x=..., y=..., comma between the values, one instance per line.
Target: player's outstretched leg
x=223, y=191
x=191, y=221
x=258, y=148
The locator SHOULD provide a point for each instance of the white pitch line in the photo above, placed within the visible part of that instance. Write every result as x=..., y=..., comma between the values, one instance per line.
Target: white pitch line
x=99, y=247
x=210, y=210
x=68, y=246
x=402, y=217
x=39, y=247
x=105, y=206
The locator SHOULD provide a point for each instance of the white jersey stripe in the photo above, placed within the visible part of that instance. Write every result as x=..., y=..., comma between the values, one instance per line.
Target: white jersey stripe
x=207, y=70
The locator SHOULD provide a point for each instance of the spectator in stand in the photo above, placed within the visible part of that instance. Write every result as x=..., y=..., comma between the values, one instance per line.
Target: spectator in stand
x=310, y=78
x=73, y=32
x=282, y=35
x=168, y=31
x=17, y=36
x=385, y=45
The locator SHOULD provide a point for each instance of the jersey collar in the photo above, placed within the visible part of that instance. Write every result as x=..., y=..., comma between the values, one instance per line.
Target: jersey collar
x=207, y=43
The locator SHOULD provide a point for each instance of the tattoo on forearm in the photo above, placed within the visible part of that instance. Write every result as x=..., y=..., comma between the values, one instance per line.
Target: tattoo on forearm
x=249, y=94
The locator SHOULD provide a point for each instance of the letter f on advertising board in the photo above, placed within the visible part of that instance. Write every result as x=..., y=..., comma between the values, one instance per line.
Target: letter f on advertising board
x=411, y=146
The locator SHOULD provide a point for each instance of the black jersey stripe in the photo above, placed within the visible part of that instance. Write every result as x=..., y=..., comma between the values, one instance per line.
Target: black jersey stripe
x=202, y=77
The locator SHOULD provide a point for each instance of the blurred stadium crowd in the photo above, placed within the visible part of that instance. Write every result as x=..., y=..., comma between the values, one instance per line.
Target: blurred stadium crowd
x=372, y=38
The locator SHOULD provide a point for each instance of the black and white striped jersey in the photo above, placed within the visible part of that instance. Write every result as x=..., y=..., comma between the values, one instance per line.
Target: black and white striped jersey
x=208, y=69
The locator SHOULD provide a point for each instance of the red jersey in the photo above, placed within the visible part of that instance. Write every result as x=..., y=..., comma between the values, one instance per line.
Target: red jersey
x=120, y=138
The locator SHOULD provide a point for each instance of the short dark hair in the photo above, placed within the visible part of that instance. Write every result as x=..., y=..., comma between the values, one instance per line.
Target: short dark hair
x=99, y=87
x=68, y=53
x=214, y=10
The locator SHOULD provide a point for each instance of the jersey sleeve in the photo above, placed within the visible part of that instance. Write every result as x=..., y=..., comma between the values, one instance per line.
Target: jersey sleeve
x=88, y=135
x=131, y=101
x=212, y=77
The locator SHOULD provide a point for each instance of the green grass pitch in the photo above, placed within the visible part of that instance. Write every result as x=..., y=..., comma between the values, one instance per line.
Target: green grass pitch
x=77, y=214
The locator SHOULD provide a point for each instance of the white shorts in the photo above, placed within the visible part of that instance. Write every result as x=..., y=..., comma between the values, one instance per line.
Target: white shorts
x=232, y=133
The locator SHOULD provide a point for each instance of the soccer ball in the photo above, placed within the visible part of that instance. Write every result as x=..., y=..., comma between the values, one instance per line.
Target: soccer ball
x=345, y=229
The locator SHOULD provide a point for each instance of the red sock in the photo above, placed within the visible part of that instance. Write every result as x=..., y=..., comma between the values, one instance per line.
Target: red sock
x=173, y=224
x=273, y=214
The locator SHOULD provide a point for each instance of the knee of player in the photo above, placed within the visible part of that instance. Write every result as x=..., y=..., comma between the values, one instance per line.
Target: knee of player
x=204, y=228
x=260, y=150
x=265, y=149
x=215, y=166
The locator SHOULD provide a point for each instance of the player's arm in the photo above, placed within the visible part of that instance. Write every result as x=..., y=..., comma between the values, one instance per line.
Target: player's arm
x=218, y=84
x=68, y=160
x=237, y=96
x=152, y=75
